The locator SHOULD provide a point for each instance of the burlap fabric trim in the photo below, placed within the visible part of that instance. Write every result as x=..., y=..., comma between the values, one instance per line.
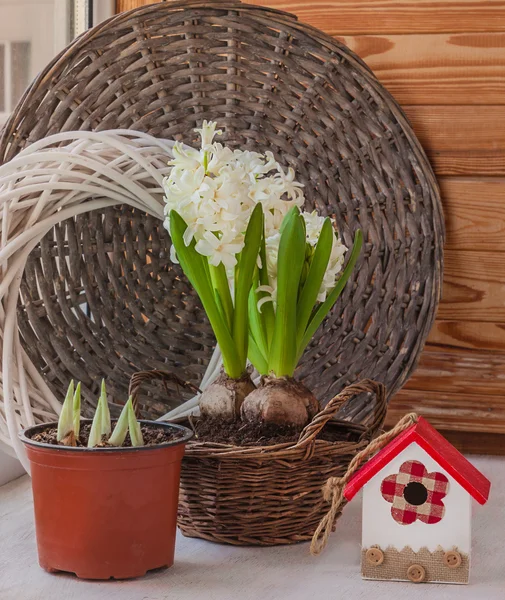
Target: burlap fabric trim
x=396, y=564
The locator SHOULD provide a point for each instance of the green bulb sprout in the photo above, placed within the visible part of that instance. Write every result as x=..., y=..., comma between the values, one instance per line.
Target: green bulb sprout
x=227, y=311
x=100, y=432
x=279, y=335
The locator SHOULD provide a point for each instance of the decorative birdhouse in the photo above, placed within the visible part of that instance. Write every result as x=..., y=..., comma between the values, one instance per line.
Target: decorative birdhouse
x=417, y=504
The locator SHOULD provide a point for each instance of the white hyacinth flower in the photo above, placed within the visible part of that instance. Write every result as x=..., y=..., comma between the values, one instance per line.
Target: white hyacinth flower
x=207, y=133
x=215, y=189
x=219, y=250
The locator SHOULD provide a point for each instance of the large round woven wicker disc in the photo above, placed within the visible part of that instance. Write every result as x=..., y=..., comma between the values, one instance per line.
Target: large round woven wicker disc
x=271, y=83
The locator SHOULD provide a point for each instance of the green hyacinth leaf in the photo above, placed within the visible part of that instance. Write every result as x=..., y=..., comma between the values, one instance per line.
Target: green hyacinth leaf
x=77, y=410
x=104, y=406
x=256, y=357
x=256, y=321
x=66, y=420
x=314, y=279
x=244, y=274
x=222, y=292
x=95, y=435
x=291, y=256
x=325, y=307
x=196, y=268
x=121, y=429
x=134, y=426
x=267, y=309
x=101, y=421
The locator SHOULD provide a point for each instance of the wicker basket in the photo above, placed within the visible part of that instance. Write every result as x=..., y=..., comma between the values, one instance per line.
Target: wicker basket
x=271, y=83
x=267, y=495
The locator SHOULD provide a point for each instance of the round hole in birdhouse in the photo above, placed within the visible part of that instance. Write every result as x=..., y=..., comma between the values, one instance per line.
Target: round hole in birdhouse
x=415, y=493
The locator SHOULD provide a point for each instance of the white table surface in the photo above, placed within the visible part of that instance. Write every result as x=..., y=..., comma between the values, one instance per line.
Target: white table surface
x=206, y=571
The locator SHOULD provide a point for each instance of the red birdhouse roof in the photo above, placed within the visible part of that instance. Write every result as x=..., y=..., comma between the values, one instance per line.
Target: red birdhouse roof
x=440, y=450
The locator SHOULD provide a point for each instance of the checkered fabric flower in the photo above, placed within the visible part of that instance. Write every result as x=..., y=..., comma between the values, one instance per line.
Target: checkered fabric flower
x=415, y=494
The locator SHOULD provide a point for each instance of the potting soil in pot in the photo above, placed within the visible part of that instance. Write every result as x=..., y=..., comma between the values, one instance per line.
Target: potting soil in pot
x=238, y=433
x=152, y=436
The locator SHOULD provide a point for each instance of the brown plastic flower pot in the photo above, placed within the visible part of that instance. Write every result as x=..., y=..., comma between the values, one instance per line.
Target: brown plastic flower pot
x=105, y=512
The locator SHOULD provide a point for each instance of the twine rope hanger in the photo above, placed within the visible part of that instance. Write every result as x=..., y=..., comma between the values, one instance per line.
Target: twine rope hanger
x=333, y=490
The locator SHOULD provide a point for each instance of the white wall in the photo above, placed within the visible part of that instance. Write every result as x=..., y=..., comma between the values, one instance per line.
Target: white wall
x=10, y=468
x=29, y=21
x=103, y=9
x=379, y=527
x=26, y=21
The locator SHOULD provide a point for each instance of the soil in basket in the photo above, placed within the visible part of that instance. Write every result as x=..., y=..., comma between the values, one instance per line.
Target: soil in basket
x=152, y=436
x=237, y=433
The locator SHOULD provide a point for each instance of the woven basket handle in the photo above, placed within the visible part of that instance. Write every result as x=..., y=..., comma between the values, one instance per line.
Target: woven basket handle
x=139, y=378
x=313, y=429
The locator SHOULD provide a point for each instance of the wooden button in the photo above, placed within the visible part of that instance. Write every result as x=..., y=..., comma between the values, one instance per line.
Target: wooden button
x=375, y=556
x=452, y=559
x=416, y=573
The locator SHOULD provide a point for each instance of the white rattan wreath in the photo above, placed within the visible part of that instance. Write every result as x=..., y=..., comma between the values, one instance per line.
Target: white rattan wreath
x=51, y=180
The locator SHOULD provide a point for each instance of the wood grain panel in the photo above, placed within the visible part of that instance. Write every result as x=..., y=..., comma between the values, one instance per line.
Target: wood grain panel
x=437, y=69
x=474, y=211
x=473, y=287
x=451, y=411
x=395, y=16
x=122, y=5
x=470, y=335
x=384, y=16
x=455, y=371
x=462, y=140
x=476, y=442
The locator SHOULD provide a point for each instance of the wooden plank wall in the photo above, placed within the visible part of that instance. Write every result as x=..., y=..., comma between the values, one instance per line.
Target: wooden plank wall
x=444, y=61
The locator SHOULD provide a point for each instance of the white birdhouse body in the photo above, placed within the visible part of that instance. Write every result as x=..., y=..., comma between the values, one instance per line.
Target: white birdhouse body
x=417, y=504
x=380, y=528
